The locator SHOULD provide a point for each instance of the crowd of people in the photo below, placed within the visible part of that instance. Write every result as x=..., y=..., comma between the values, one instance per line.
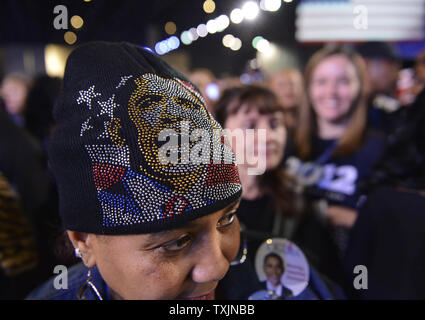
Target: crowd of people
x=343, y=179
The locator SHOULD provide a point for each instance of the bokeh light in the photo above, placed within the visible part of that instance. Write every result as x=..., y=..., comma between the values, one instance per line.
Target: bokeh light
x=170, y=27
x=77, y=22
x=209, y=6
x=168, y=45
x=202, y=30
x=270, y=5
x=227, y=40
x=255, y=41
x=263, y=45
x=222, y=22
x=236, y=44
x=212, y=26
x=236, y=16
x=250, y=10
x=193, y=33
x=70, y=38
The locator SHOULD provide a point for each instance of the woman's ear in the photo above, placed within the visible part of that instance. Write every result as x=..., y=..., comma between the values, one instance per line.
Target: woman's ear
x=84, y=243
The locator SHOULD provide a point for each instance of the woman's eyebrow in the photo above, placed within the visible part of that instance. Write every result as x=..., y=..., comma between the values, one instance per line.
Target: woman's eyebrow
x=232, y=206
x=152, y=237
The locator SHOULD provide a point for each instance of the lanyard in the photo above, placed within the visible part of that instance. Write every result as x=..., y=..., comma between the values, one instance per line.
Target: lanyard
x=327, y=154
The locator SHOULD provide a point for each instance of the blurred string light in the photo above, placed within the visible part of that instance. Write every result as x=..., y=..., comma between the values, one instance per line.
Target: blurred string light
x=77, y=22
x=236, y=16
x=232, y=42
x=186, y=38
x=70, y=38
x=170, y=28
x=193, y=34
x=202, y=30
x=227, y=40
x=263, y=45
x=167, y=45
x=256, y=40
x=209, y=6
x=55, y=57
x=223, y=22
x=236, y=44
x=212, y=26
x=270, y=5
x=249, y=11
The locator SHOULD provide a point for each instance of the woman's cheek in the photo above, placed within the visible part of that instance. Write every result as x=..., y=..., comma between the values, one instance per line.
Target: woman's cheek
x=157, y=280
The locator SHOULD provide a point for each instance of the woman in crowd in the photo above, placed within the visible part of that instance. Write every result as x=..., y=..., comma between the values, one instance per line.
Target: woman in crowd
x=14, y=90
x=287, y=85
x=269, y=206
x=332, y=148
x=267, y=193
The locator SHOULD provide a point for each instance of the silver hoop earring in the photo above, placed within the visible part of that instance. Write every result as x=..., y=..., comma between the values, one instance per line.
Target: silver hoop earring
x=88, y=285
x=78, y=253
x=243, y=250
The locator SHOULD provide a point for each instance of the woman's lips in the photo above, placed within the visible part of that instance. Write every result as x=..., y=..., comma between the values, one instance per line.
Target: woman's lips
x=209, y=296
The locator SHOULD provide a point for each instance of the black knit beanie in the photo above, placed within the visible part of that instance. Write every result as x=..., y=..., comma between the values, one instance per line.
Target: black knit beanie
x=120, y=104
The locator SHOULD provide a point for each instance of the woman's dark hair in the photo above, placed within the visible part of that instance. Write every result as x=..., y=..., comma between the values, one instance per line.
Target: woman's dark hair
x=63, y=248
x=221, y=107
x=39, y=105
x=275, y=183
x=404, y=163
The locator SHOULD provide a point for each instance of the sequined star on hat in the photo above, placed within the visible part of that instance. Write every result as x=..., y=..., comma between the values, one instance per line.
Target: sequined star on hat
x=87, y=96
x=85, y=126
x=107, y=107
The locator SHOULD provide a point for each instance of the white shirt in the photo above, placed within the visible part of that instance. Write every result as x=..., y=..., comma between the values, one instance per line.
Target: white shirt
x=278, y=290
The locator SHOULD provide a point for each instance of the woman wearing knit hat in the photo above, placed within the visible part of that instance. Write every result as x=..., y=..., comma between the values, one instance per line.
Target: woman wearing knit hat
x=144, y=228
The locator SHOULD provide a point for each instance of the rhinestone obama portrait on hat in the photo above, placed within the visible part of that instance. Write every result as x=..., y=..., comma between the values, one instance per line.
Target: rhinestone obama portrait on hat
x=143, y=229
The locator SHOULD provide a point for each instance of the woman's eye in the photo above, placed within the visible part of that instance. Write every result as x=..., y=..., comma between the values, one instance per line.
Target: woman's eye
x=344, y=81
x=177, y=245
x=319, y=82
x=274, y=123
x=249, y=125
x=226, y=220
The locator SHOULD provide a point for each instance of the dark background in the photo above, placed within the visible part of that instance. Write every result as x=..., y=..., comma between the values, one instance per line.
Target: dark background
x=142, y=22
x=30, y=23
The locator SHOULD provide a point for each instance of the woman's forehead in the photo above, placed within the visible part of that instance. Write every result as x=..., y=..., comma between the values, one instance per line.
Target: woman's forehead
x=254, y=111
x=337, y=62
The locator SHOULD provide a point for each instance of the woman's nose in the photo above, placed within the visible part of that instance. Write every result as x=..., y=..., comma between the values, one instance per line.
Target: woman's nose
x=331, y=88
x=211, y=263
